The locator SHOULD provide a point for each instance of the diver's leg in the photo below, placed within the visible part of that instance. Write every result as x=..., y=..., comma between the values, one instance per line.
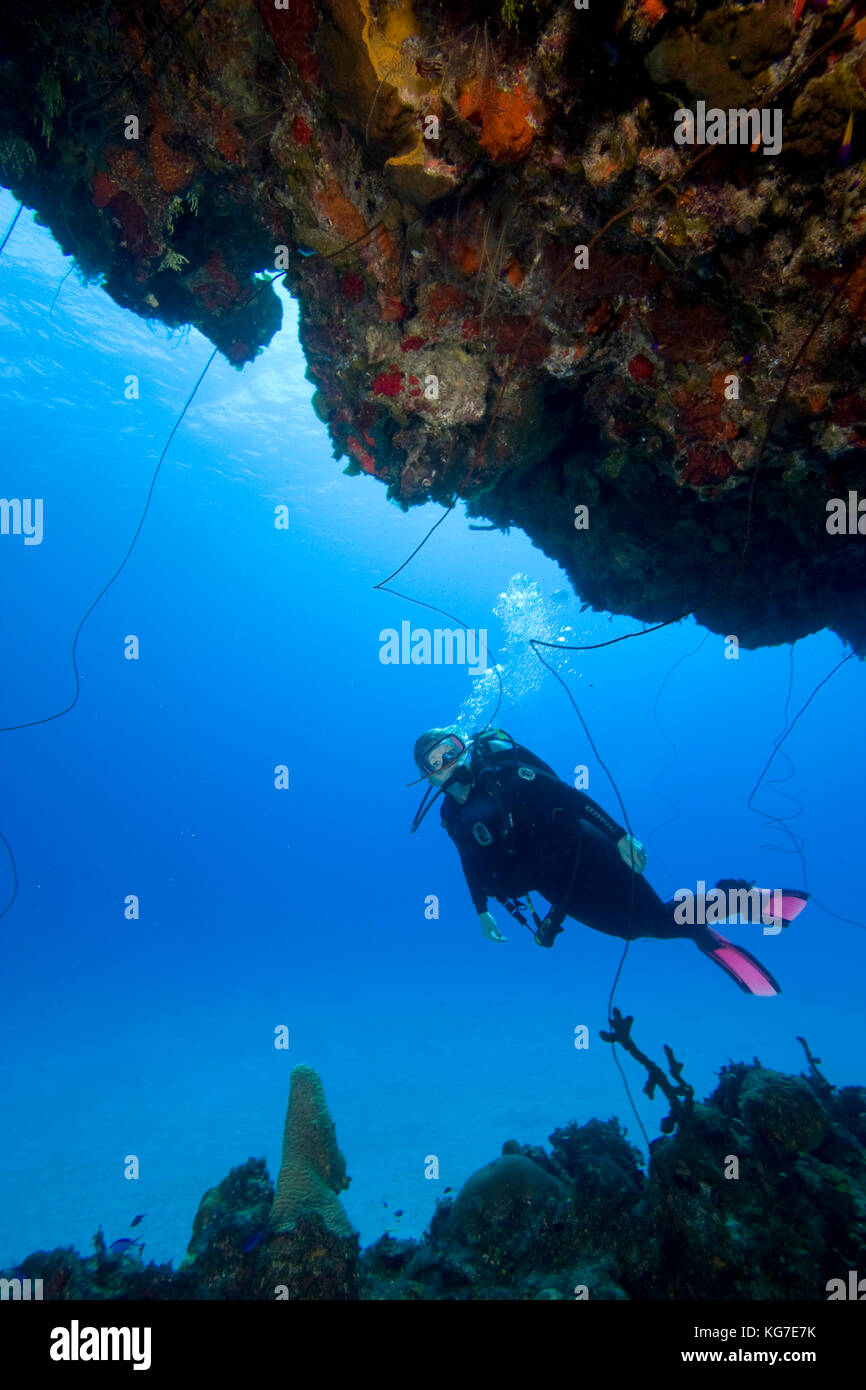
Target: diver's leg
x=742, y=967
x=608, y=897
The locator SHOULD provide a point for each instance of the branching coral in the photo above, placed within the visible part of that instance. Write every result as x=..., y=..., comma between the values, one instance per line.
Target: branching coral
x=681, y=1095
x=818, y=1082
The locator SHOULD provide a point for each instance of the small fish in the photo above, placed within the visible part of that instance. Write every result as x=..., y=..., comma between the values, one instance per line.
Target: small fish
x=845, y=147
x=135, y=1220
x=119, y=1247
x=252, y=1241
x=398, y=1213
x=448, y=1189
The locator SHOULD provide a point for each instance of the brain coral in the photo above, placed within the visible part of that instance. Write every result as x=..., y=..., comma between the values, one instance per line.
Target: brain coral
x=511, y=1190
x=784, y=1110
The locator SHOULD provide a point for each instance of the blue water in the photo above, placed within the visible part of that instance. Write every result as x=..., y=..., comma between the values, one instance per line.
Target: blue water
x=305, y=907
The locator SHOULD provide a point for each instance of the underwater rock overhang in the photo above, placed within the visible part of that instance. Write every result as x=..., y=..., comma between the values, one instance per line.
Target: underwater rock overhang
x=442, y=161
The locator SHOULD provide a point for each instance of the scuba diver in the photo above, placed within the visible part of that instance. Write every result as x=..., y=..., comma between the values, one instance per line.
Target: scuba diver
x=519, y=829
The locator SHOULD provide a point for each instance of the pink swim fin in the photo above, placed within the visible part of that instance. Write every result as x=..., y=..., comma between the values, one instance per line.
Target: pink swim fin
x=788, y=903
x=742, y=967
x=792, y=904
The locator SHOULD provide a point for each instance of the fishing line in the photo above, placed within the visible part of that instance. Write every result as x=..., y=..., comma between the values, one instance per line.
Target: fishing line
x=534, y=643
x=47, y=719
x=188, y=402
x=382, y=585
x=33, y=723
x=14, y=874
x=451, y=617
x=780, y=822
x=654, y=785
x=843, y=661
x=59, y=288
x=10, y=229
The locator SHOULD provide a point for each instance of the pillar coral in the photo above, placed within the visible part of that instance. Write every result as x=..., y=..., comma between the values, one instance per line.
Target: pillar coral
x=312, y=1169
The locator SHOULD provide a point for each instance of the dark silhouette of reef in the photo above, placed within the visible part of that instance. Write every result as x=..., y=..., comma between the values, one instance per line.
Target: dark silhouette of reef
x=758, y=1193
x=423, y=170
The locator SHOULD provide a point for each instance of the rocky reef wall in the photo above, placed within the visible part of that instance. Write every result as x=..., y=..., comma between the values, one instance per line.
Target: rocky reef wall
x=425, y=174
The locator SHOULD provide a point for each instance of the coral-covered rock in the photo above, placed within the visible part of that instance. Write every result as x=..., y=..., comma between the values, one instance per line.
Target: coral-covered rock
x=783, y=1110
x=230, y=1216
x=511, y=1191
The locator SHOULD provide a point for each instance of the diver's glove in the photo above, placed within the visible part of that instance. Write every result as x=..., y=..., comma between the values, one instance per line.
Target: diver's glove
x=632, y=852
x=489, y=928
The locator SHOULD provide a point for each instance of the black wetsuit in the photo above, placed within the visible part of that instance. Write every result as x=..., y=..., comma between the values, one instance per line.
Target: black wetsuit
x=523, y=829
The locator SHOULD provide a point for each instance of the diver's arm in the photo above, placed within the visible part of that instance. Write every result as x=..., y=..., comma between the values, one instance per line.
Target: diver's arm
x=468, y=863
x=590, y=811
x=631, y=850
x=476, y=891
x=552, y=797
x=489, y=929
x=577, y=807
